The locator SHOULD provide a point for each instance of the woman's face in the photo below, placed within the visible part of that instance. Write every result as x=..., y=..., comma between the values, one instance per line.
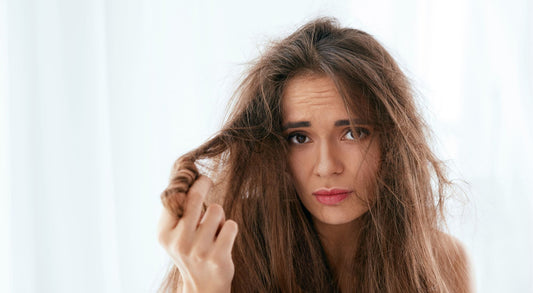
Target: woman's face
x=333, y=166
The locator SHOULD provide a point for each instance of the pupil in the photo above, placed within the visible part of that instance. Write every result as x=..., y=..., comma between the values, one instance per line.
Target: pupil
x=300, y=138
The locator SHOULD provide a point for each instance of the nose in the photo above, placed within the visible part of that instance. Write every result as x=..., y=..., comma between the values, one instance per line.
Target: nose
x=328, y=160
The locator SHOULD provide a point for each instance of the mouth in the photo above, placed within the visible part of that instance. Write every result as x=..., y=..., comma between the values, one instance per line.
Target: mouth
x=331, y=196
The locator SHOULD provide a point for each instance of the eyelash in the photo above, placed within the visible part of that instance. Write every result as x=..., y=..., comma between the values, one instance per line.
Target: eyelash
x=363, y=133
x=293, y=135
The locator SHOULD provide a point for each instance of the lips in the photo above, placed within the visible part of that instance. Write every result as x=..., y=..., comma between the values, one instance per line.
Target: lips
x=331, y=196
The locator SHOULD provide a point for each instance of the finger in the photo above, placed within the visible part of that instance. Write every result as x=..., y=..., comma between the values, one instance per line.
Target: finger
x=205, y=235
x=211, y=223
x=226, y=238
x=166, y=223
x=195, y=199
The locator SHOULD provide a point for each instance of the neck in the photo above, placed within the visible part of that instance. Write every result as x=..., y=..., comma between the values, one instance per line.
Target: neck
x=339, y=242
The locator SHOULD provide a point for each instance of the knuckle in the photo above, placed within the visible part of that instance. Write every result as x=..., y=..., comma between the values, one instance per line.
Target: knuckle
x=180, y=251
x=219, y=263
x=180, y=247
x=200, y=255
x=214, y=262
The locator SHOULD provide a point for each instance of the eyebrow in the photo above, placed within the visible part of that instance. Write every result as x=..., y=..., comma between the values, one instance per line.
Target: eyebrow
x=343, y=122
x=296, y=125
x=347, y=122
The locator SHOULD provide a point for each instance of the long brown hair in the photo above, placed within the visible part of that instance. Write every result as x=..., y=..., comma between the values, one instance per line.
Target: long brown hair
x=399, y=248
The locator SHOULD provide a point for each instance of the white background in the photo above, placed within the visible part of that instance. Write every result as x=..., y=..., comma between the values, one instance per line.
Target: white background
x=97, y=99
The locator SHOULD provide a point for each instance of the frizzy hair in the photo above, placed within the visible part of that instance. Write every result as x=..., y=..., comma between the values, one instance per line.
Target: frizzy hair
x=399, y=247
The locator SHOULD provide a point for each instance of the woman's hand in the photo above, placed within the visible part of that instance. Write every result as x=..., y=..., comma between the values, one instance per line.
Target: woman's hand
x=200, y=248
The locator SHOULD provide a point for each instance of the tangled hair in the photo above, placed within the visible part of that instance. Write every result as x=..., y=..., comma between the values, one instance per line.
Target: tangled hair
x=400, y=247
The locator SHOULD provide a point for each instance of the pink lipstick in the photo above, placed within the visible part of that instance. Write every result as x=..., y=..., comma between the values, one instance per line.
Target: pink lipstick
x=331, y=196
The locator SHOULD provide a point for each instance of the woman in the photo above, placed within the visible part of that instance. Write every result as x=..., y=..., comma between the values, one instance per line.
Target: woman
x=323, y=177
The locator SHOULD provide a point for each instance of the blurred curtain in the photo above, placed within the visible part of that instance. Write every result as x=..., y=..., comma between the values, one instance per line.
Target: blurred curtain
x=63, y=235
x=97, y=98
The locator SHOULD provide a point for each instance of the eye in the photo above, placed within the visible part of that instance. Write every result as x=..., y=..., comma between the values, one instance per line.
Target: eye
x=298, y=138
x=360, y=133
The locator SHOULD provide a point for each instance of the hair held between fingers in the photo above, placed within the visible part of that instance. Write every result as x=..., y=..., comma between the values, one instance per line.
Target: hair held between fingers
x=183, y=175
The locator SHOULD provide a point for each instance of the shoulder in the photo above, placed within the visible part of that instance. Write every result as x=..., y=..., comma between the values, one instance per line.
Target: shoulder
x=454, y=262
x=452, y=247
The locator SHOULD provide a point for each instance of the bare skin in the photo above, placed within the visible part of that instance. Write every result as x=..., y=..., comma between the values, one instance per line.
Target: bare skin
x=325, y=153
x=200, y=247
x=338, y=242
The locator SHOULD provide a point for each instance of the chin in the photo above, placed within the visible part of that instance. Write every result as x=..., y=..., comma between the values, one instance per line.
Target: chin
x=338, y=218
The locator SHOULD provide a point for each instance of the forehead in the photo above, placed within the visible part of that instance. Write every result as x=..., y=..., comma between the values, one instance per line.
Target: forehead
x=307, y=94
